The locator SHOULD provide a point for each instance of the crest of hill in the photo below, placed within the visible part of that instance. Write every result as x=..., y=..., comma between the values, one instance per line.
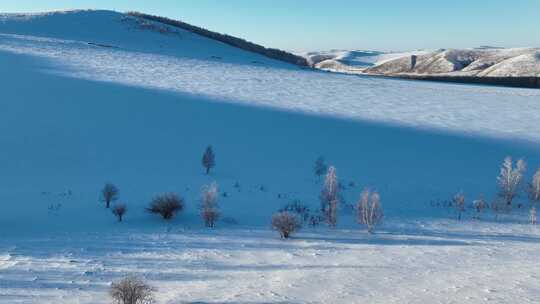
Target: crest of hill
x=141, y=32
x=228, y=39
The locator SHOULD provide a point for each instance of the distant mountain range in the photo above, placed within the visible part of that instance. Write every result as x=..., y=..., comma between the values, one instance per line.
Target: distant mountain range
x=512, y=66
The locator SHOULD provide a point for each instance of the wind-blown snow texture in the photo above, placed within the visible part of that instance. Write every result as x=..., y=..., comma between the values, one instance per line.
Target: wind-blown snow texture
x=91, y=97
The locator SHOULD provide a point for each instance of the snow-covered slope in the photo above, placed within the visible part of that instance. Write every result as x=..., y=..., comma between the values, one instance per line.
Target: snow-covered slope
x=90, y=97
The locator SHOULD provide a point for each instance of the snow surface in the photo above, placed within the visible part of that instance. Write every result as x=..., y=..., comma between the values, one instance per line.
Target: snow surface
x=90, y=97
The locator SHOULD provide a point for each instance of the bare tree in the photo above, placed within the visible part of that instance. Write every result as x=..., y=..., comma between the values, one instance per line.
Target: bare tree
x=166, y=205
x=119, y=210
x=370, y=212
x=510, y=178
x=208, y=159
x=132, y=290
x=320, y=167
x=532, y=215
x=286, y=223
x=330, y=197
x=479, y=205
x=209, y=206
x=458, y=201
x=109, y=194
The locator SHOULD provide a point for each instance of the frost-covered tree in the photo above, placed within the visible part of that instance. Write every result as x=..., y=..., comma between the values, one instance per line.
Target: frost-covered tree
x=330, y=196
x=510, y=178
x=369, y=208
x=286, y=223
x=119, y=210
x=131, y=290
x=208, y=159
x=534, y=188
x=209, y=207
x=458, y=201
x=320, y=167
x=109, y=194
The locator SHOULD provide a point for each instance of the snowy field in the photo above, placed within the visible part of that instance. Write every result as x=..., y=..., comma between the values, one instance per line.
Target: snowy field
x=474, y=263
x=117, y=101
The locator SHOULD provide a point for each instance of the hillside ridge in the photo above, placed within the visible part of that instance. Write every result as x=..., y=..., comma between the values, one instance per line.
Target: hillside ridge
x=227, y=39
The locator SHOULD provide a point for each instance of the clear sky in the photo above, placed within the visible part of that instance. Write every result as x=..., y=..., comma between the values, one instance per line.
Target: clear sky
x=302, y=25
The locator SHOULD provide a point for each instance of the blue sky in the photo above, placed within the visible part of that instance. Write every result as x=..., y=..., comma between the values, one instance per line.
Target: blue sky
x=302, y=25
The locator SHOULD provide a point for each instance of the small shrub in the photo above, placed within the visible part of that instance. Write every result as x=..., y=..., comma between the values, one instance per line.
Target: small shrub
x=119, y=210
x=131, y=290
x=286, y=223
x=166, y=205
x=369, y=208
x=109, y=194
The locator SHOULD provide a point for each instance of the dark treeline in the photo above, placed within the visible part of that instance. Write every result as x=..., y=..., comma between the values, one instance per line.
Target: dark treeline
x=227, y=39
x=520, y=82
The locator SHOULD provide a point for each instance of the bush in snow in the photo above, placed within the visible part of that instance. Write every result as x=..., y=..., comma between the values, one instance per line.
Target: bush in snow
x=320, y=167
x=208, y=159
x=166, y=205
x=119, y=210
x=370, y=212
x=209, y=207
x=509, y=179
x=458, y=201
x=286, y=223
x=109, y=194
x=329, y=197
x=131, y=290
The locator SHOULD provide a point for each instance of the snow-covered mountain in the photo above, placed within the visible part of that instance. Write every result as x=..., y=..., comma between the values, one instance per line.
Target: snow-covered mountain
x=353, y=61
x=466, y=64
x=517, y=62
x=89, y=97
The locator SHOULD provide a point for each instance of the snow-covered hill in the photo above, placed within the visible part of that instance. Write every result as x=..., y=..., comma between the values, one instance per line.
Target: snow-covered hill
x=352, y=61
x=494, y=65
x=519, y=62
x=89, y=97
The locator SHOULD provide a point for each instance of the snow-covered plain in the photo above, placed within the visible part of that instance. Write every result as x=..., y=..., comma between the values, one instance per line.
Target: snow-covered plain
x=94, y=96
